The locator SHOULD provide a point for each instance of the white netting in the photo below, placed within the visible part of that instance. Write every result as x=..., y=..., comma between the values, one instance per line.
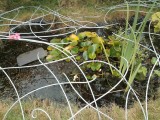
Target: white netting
x=72, y=25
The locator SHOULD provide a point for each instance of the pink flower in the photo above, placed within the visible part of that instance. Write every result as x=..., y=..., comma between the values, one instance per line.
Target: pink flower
x=15, y=36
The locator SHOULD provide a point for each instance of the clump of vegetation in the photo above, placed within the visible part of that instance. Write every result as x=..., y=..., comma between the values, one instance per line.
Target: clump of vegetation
x=86, y=46
x=89, y=46
x=156, y=21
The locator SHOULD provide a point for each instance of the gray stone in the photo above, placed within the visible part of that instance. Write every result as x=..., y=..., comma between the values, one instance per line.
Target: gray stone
x=31, y=56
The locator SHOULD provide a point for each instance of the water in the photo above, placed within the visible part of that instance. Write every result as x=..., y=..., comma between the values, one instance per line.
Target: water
x=28, y=79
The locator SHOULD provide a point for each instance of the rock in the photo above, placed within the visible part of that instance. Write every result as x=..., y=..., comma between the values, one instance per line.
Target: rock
x=30, y=56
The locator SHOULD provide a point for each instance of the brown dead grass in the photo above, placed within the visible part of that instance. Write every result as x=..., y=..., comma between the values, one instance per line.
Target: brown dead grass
x=61, y=112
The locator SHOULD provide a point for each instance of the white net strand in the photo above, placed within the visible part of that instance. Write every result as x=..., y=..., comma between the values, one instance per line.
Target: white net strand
x=84, y=99
x=149, y=78
x=77, y=24
x=33, y=113
x=150, y=38
x=123, y=78
x=58, y=84
x=17, y=94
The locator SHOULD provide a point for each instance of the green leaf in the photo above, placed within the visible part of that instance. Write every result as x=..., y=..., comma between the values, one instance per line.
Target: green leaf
x=95, y=66
x=55, y=40
x=87, y=43
x=157, y=72
x=116, y=73
x=89, y=77
x=64, y=41
x=98, y=66
x=81, y=35
x=97, y=40
x=92, y=55
x=74, y=50
x=132, y=77
x=74, y=43
x=156, y=21
x=89, y=34
x=85, y=55
x=78, y=57
x=55, y=52
x=143, y=70
x=153, y=60
x=108, y=52
x=89, y=65
x=93, y=48
x=91, y=51
x=114, y=53
x=68, y=60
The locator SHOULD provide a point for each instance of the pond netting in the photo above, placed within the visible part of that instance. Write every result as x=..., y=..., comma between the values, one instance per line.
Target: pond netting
x=45, y=24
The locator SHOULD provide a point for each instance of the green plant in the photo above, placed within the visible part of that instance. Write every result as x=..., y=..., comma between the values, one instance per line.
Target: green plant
x=156, y=21
x=141, y=73
x=130, y=46
x=89, y=46
x=86, y=46
x=157, y=72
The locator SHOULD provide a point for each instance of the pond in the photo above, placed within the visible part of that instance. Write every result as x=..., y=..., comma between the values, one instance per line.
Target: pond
x=87, y=83
x=30, y=79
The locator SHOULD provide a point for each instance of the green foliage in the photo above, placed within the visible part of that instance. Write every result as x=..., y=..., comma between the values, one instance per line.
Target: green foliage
x=130, y=48
x=157, y=72
x=142, y=73
x=156, y=21
x=153, y=60
x=115, y=47
x=87, y=46
x=95, y=66
x=85, y=56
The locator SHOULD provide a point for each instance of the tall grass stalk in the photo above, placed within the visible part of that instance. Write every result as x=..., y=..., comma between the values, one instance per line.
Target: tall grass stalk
x=131, y=48
x=106, y=55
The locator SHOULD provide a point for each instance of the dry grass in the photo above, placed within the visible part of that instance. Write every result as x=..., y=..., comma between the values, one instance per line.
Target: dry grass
x=79, y=13
x=75, y=9
x=61, y=112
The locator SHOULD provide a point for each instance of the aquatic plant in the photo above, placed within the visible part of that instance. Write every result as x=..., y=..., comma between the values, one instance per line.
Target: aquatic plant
x=130, y=46
x=86, y=46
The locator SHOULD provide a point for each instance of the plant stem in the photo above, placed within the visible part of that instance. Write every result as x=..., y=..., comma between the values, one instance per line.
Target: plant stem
x=106, y=55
